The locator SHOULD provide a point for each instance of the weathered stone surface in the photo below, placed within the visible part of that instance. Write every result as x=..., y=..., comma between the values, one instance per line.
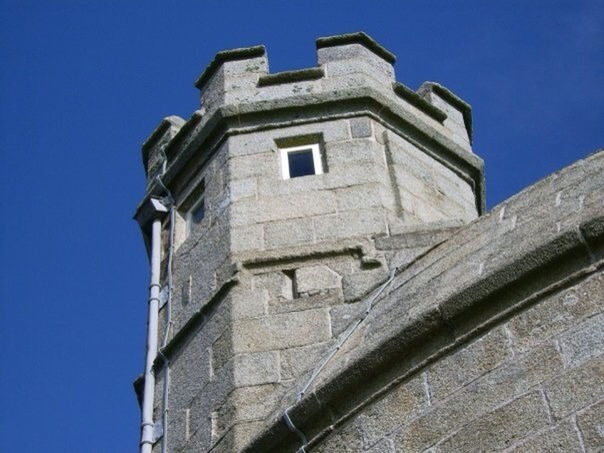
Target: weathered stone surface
x=352, y=197
x=289, y=232
x=295, y=361
x=502, y=427
x=361, y=151
x=576, y=388
x=585, y=341
x=557, y=313
x=383, y=446
x=398, y=406
x=343, y=315
x=360, y=127
x=347, y=440
x=464, y=366
x=591, y=423
x=312, y=280
x=563, y=438
x=256, y=368
x=281, y=331
x=358, y=284
x=350, y=224
x=481, y=396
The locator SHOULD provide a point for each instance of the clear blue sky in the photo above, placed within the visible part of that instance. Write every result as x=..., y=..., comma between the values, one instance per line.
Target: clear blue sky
x=83, y=83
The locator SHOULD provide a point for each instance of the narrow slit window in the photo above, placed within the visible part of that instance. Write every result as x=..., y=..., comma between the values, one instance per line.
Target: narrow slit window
x=196, y=214
x=300, y=161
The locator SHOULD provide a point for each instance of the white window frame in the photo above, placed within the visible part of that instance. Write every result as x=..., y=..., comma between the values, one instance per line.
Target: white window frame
x=316, y=158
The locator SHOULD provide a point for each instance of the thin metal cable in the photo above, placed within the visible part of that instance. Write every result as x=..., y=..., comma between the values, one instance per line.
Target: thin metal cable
x=332, y=351
x=170, y=200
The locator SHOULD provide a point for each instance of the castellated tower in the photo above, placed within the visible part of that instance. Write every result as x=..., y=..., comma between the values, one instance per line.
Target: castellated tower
x=280, y=206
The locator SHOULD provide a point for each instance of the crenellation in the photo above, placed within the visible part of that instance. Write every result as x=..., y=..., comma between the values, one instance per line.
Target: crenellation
x=459, y=112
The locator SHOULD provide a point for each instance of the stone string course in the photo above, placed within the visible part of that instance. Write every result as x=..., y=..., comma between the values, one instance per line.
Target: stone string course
x=484, y=339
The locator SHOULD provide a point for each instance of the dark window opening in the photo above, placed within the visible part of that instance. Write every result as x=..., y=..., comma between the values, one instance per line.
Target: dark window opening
x=301, y=163
x=198, y=212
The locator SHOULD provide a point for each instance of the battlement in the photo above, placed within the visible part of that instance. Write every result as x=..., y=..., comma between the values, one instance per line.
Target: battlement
x=354, y=74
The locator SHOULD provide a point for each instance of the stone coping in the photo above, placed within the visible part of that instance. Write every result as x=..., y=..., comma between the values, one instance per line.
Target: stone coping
x=298, y=75
x=452, y=99
x=357, y=38
x=416, y=100
x=158, y=133
x=415, y=324
x=241, y=53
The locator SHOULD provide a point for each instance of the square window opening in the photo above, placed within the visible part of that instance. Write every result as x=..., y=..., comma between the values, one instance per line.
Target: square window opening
x=300, y=161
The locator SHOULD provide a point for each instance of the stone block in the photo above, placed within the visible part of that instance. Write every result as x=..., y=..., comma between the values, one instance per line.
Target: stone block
x=242, y=188
x=347, y=439
x=288, y=232
x=300, y=205
x=343, y=315
x=329, y=131
x=247, y=304
x=281, y=331
x=577, y=388
x=359, y=284
x=361, y=196
x=244, y=404
x=200, y=440
x=562, y=437
x=275, y=186
x=556, y=313
x=246, y=238
x=295, y=361
x=352, y=58
x=310, y=280
x=324, y=299
x=359, y=151
x=591, y=423
x=222, y=351
x=360, y=127
x=350, y=174
x=501, y=428
x=420, y=209
x=584, y=341
x=395, y=408
x=479, y=397
x=254, y=165
x=277, y=285
x=190, y=371
x=237, y=437
x=383, y=446
x=350, y=224
x=469, y=363
x=255, y=368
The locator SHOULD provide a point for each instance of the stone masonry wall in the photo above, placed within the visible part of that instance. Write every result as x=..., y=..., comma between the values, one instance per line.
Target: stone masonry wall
x=490, y=340
x=533, y=383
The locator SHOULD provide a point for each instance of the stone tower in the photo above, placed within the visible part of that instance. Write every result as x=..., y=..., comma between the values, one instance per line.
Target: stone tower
x=285, y=201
